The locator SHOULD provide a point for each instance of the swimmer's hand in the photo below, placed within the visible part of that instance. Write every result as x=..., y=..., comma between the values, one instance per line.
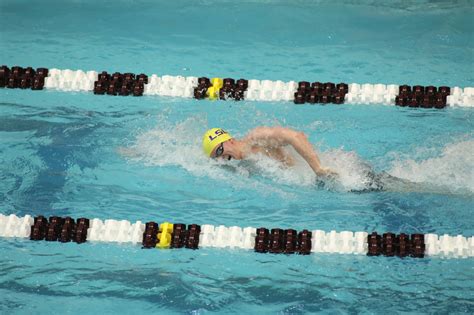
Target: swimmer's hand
x=327, y=172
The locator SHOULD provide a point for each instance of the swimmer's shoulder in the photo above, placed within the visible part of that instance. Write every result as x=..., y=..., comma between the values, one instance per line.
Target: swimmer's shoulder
x=265, y=132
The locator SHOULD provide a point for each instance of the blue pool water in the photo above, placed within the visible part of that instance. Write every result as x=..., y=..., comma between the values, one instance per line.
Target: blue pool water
x=130, y=158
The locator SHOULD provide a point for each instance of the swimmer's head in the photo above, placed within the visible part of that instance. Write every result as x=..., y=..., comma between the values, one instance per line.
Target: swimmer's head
x=212, y=139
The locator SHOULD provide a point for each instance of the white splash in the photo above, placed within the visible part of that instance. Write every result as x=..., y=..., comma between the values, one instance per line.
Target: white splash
x=169, y=144
x=453, y=169
x=351, y=169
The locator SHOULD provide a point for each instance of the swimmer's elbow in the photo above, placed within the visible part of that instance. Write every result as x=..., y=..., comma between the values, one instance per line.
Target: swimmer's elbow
x=300, y=136
x=295, y=137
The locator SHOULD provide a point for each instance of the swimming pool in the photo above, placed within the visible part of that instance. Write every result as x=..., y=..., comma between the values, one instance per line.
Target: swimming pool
x=106, y=157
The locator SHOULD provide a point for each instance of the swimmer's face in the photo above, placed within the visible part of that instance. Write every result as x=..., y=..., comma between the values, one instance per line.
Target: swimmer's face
x=220, y=152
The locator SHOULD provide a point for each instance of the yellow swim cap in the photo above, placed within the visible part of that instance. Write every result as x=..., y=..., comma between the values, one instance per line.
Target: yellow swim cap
x=212, y=138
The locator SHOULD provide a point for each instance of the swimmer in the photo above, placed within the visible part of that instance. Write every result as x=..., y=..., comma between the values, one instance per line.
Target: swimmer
x=269, y=141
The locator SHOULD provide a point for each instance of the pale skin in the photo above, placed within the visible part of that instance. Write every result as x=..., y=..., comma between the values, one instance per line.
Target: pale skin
x=271, y=141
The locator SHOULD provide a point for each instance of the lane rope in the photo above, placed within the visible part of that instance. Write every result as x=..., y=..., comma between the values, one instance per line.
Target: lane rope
x=262, y=240
x=302, y=92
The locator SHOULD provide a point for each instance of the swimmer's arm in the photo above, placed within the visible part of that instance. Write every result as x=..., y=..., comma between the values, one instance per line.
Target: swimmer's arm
x=298, y=140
